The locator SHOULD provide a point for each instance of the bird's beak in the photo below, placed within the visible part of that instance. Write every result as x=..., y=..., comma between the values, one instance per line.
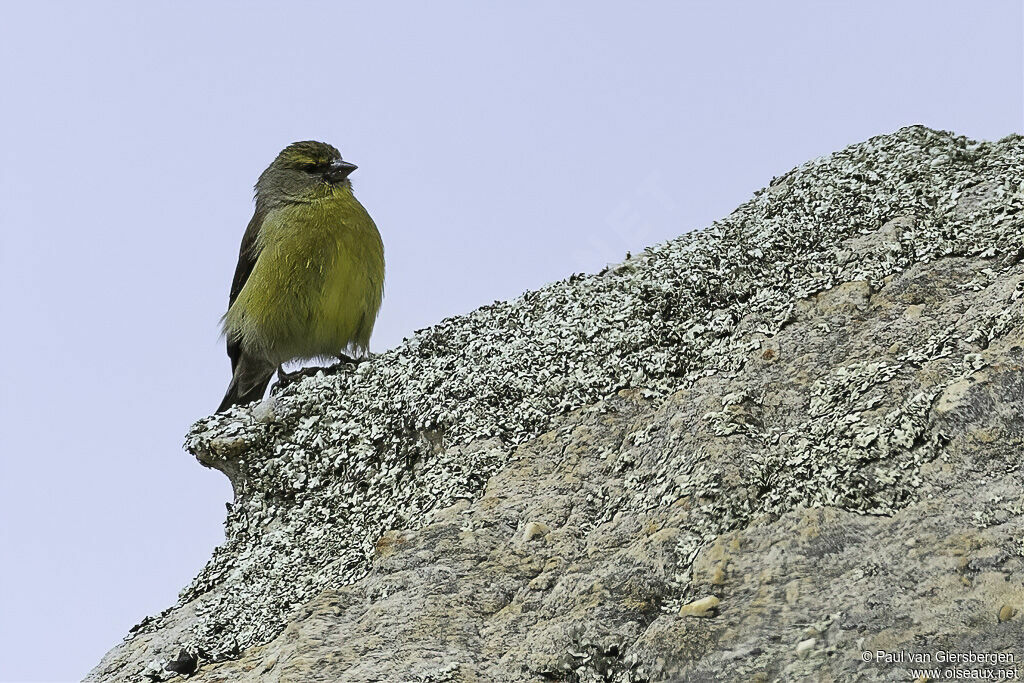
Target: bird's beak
x=340, y=170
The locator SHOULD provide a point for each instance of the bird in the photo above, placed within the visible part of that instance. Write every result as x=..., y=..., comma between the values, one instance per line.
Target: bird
x=310, y=275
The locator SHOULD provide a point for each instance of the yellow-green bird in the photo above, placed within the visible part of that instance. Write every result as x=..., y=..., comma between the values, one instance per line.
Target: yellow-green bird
x=310, y=272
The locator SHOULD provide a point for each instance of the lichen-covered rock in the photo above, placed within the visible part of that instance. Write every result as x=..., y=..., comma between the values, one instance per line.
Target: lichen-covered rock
x=756, y=452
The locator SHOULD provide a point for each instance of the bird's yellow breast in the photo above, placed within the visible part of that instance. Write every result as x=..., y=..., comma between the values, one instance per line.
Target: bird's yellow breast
x=317, y=283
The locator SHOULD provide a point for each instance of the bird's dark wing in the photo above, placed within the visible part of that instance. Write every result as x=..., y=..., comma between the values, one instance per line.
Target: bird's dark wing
x=247, y=255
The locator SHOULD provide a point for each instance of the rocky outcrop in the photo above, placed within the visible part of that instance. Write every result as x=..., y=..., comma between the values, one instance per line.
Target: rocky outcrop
x=785, y=447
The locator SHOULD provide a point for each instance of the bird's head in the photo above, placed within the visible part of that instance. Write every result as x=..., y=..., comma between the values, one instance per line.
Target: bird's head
x=303, y=170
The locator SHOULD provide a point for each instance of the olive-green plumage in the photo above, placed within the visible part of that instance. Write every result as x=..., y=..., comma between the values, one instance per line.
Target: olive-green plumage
x=310, y=272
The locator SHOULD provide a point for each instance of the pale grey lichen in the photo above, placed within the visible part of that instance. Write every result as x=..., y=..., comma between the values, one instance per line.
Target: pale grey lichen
x=339, y=458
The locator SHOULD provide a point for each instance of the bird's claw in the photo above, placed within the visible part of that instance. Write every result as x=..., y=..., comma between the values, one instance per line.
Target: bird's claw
x=284, y=379
x=345, y=358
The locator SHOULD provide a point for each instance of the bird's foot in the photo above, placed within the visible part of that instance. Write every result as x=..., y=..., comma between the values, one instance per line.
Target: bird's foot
x=345, y=358
x=284, y=379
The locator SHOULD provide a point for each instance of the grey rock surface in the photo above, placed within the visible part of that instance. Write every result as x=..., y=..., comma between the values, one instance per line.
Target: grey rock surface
x=756, y=452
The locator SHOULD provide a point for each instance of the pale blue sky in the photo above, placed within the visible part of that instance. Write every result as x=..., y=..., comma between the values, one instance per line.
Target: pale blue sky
x=499, y=147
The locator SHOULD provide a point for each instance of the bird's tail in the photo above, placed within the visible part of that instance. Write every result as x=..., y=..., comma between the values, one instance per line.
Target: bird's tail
x=249, y=381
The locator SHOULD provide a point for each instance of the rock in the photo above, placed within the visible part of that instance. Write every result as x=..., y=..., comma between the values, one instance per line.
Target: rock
x=534, y=530
x=185, y=663
x=804, y=647
x=705, y=607
x=747, y=411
